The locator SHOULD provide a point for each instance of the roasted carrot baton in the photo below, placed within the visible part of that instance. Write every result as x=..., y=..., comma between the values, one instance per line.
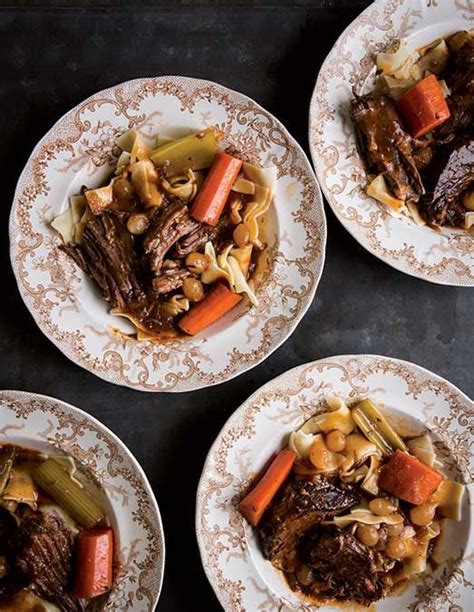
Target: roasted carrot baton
x=217, y=302
x=211, y=198
x=408, y=478
x=256, y=502
x=423, y=107
x=94, y=563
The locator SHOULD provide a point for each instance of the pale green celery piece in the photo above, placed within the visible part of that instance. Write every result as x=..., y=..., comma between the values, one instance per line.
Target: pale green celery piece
x=376, y=428
x=52, y=477
x=195, y=152
x=368, y=429
x=7, y=456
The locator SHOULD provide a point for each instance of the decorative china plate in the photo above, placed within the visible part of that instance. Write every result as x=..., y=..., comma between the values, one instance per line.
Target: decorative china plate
x=48, y=424
x=80, y=150
x=445, y=257
x=242, y=579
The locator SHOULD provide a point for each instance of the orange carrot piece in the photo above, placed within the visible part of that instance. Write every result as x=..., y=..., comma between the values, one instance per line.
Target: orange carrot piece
x=217, y=302
x=256, y=502
x=94, y=563
x=212, y=197
x=423, y=107
x=408, y=478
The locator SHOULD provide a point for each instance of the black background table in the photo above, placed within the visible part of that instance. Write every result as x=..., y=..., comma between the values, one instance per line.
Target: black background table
x=53, y=55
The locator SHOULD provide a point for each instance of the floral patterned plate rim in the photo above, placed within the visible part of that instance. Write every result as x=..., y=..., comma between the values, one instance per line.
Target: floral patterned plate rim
x=46, y=423
x=79, y=149
x=445, y=257
x=231, y=556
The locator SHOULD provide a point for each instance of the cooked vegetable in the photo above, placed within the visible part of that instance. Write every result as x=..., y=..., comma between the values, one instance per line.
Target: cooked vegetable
x=376, y=428
x=398, y=548
x=368, y=534
x=212, y=197
x=256, y=502
x=7, y=456
x=423, y=515
x=378, y=190
x=409, y=479
x=444, y=88
x=241, y=235
x=394, y=87
x=423, y=107
x=94, y=563
x=434, y=59
x=322, y=458
x=197, y=262
x=193, y=289
x=392, y=60
x=335, y=441
x=382, y=506
x=51, y=477
x=138, y=224
x=448, y=499
x=195, y=152
x=217, y=303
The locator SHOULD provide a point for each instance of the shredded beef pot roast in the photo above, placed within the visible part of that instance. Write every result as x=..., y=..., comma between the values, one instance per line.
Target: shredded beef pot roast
x=299, y=506
x=347, y=567
x=39, y=556
x=387, y=145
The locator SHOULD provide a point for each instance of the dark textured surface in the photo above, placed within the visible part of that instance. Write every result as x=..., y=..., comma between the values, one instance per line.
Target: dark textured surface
x=55, y=54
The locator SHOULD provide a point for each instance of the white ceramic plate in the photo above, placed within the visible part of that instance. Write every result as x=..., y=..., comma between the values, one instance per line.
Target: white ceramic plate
x=79, y=150
x=231, y=556
x=445, y=257
x=47, y=424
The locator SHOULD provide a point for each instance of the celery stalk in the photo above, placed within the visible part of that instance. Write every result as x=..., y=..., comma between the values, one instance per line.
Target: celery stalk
x=51, y=477
x=7, y=456
x=376, y=428
x=195, y=152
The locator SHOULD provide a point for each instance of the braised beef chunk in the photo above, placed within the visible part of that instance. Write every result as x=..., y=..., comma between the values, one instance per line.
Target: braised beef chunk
x=447, y=178
x=107, y=255
x=387, y=145
x=195, y=240
x=43, y=547
x=346, y=567
x=460, y=80
x=167, y=228
x=10, y=582
x=300, y=505
x=170, y=280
